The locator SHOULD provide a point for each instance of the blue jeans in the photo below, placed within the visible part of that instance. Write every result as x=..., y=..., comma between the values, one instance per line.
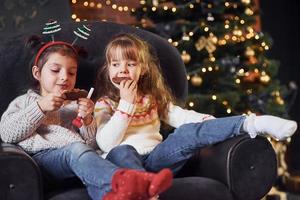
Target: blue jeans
x=179, y=146
x=78, y=160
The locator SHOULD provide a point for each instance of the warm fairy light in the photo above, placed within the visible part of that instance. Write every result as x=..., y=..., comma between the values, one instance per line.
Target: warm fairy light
x=214, y=97
x=222, y=42
x=153, y=9
x=249, y=12
x=74, y=1
x=108, y=2
x=212, y=58
x=191, y=33
x=188, y=77
x=86, y=3
x=92, y=4
x=226, y=26
x=206, y=29
x=114, y=6
x=142, y=2
x=241, y=71
x=77, y=20
x=191, y=104
x=191, y=6
x=227, y=4
x=246, y=1
x=249, y=91
x=203, y=69
x=145, y=9
x=170, y=40
x=238, y=81
x=175, y=44
x=266, y=47
x=228, y=110
x=225, y=103
x=226, y=37
x=209, y=5
x=174, y=9
x=99, y=5
x=74, y=16
x=263, y=44
x=237, y=32
x=210, y=69
x=165, y=7
x=120, y=8
x=185, y=37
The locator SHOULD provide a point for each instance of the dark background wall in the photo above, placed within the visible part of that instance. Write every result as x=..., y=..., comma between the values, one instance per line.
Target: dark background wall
x=18, y=15
x=281, y=19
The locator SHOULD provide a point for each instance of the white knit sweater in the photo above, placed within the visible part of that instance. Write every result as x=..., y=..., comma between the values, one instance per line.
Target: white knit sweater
x=25, y=124
x=136, y=124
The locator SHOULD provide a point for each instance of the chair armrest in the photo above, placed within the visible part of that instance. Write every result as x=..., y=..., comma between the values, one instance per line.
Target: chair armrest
x=20, y=177
x=247, y=166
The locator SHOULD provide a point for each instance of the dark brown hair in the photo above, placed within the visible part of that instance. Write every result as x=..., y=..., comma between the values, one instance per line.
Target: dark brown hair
x=35, y=43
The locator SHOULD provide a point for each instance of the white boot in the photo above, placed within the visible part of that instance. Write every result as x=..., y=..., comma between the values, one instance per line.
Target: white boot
x=276, y=127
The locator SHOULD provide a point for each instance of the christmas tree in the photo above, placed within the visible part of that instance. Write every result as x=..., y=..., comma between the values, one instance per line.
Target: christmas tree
x=226, y=60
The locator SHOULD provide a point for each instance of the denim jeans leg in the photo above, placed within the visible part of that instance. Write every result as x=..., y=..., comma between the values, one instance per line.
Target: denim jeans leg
x=181, y=145
x=78, y=159
x=125, y=156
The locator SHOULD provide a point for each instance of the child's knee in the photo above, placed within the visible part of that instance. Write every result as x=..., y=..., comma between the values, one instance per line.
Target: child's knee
x=77, y=149
x=121, y=151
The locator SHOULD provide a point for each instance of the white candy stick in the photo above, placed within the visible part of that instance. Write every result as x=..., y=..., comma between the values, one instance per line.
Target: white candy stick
x=88, y=96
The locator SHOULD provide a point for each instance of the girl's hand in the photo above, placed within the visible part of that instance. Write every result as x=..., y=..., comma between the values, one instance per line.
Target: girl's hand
x=128, y=90
x=51, y=102
x=85, y=110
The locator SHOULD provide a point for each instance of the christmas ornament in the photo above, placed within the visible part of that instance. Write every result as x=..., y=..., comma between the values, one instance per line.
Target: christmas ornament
x=251, y=77
x=249, y=52
x=196, y=80
x=253, y=60
x=185, y=57
x=207, y=43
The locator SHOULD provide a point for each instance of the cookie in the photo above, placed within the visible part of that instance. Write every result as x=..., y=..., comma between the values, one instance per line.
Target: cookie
x=76, y=94
x=118, y=80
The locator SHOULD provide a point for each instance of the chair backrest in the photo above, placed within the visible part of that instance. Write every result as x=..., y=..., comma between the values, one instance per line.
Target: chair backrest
x=15, y=58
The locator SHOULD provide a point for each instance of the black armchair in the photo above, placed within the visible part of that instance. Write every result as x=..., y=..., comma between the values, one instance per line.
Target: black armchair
x=237, y=169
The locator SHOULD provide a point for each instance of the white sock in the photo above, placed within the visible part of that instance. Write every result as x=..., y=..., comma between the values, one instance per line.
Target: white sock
x=276, y=127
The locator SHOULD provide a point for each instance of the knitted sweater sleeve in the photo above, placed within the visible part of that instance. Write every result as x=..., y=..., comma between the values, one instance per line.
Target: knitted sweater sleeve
x=112, y=125
x=21, y=119
x=178, y=116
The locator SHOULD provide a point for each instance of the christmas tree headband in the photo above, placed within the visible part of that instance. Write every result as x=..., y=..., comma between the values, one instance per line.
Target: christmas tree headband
x=53, y=27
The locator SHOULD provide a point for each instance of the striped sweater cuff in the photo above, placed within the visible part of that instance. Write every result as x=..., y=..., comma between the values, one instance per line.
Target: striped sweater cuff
x=126, y=107
x=34, y=114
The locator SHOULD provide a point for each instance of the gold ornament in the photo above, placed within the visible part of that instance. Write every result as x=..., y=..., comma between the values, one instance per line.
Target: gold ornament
x=185, y=57
x=196, y=80
x=249, y=52
x=207, y=43
x=251, y=76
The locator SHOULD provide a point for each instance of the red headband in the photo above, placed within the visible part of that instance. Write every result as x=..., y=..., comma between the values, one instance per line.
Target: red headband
x=49, y=44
